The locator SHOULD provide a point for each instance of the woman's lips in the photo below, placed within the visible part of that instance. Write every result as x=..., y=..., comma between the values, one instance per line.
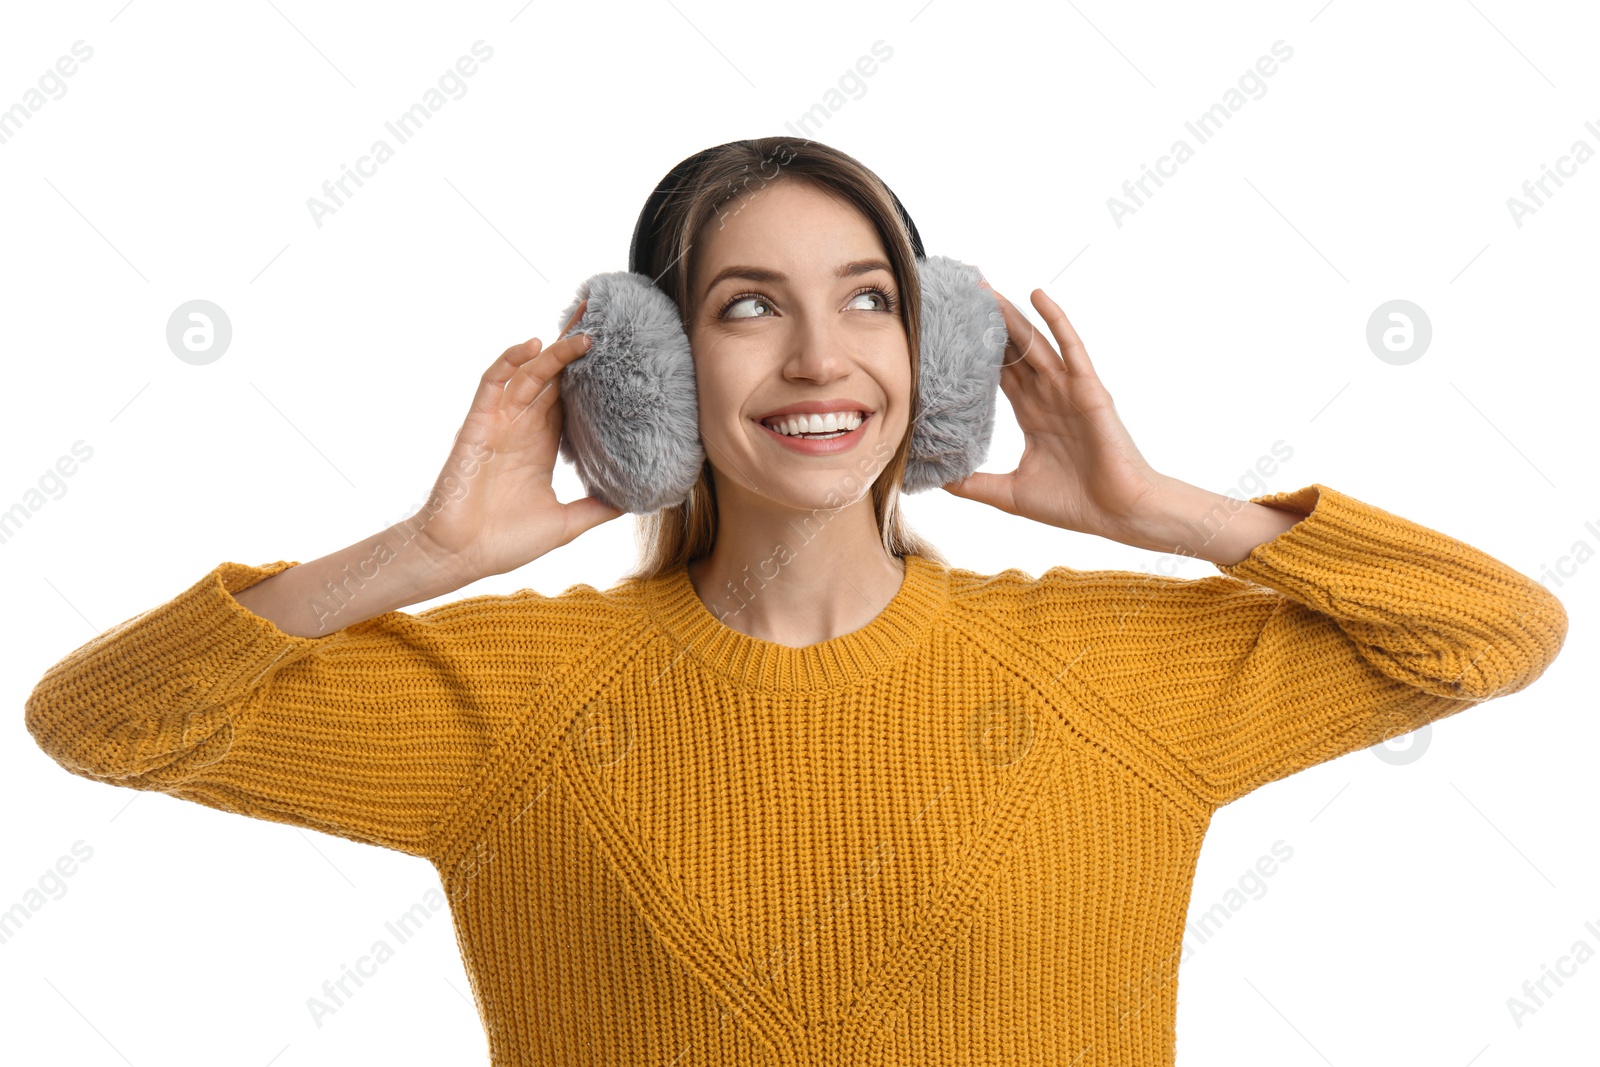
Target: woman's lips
x=811, y=446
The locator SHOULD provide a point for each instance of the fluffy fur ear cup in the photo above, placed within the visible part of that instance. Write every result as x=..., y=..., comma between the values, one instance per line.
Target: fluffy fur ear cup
x=963, y=343
x=632, y=425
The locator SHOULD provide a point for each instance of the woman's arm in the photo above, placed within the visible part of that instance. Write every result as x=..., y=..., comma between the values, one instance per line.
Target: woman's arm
x=1351, y=626
x=1192, y=521
x=378, y=574
x=369, y=733
x=330, y=709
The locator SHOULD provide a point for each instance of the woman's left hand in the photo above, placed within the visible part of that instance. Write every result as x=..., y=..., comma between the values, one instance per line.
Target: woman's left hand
x=1080, y=469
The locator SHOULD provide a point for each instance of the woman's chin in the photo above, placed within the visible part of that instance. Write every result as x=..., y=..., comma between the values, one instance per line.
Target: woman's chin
x=838, y=487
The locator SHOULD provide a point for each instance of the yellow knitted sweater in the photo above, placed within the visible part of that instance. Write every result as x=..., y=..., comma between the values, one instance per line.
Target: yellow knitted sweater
x=964, y=833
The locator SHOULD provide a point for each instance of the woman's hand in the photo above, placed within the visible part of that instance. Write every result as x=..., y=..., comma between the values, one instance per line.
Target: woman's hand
x=1080, y=469
x=493, y=507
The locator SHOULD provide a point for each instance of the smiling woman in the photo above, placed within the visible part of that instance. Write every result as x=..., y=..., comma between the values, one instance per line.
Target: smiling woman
x=820, y=340
x=888, y=810
x=799, y=293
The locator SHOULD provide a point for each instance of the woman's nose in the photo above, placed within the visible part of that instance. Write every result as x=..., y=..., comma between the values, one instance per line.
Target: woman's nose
x=817, y=352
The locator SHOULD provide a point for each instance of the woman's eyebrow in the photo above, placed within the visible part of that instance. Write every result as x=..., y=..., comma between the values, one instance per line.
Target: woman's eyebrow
x=763, y=274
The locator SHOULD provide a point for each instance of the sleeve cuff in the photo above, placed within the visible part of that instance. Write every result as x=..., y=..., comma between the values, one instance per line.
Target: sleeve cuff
x=1383, y=575
x=236, y=647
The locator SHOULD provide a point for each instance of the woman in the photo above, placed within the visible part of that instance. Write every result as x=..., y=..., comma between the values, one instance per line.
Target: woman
x=797, y=791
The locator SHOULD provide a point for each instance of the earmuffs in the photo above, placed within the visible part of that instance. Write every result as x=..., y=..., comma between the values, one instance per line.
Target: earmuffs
x=632, y=420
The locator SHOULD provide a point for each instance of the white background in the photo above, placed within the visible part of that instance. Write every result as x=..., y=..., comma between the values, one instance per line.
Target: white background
x=1228, y=313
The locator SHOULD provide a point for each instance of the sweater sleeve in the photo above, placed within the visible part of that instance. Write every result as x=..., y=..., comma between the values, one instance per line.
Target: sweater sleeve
x=1351, y=627
x=369, y=733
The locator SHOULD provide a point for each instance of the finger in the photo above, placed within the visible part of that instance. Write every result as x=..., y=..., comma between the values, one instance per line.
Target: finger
x=576, y=315
x=1076, y=355
x=1016, y=378
x=1035, y=369
x=500, y=372
x=503, y=368
x=565, y=350
x=1028, y=343
x=992, y=489
x=536, y=386
x=491, y=387
x=1016, y=363
x=587, y=512
x=527, y=395
x=1012, y=354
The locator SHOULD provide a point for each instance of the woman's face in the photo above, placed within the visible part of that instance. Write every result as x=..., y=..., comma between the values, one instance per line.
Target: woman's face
x=794, y=303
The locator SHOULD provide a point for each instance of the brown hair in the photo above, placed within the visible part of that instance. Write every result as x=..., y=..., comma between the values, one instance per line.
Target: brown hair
x=687, y=531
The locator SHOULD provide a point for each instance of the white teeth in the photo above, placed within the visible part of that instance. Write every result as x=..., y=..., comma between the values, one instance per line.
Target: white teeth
x=829, y=423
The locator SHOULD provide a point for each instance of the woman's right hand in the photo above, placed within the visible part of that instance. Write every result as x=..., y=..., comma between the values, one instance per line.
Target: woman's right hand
x=493, y=508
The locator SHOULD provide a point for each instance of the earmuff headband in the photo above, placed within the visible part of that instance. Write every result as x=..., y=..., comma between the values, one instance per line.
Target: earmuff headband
x=646, y=232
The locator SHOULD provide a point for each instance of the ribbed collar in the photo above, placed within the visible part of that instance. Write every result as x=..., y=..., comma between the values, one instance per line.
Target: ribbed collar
x=845, y=660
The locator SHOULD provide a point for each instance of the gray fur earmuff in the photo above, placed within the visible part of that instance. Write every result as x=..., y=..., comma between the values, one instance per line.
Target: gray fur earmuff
x=632, y=425
x=632, y=419
x=963, y=342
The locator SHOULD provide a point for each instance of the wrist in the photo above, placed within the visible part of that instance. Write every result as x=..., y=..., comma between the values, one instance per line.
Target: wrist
x=427, y=565
x=1187, y=520
x=1158, y=523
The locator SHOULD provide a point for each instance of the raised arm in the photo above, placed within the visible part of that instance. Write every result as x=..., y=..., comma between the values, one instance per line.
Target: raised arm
x=308, y=698
x=1350, y=627
x=370, y=733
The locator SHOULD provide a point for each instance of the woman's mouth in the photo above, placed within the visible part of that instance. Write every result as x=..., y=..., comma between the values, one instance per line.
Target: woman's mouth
x=820, y=444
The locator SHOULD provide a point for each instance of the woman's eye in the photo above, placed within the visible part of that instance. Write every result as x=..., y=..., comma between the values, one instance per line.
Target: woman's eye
x=885, y=303
x=728, y=312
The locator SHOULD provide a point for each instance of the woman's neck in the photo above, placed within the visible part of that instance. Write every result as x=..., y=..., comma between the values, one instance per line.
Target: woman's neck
x=800, y=578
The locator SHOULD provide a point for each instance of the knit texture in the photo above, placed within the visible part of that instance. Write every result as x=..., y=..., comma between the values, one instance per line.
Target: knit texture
x=964, y=833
